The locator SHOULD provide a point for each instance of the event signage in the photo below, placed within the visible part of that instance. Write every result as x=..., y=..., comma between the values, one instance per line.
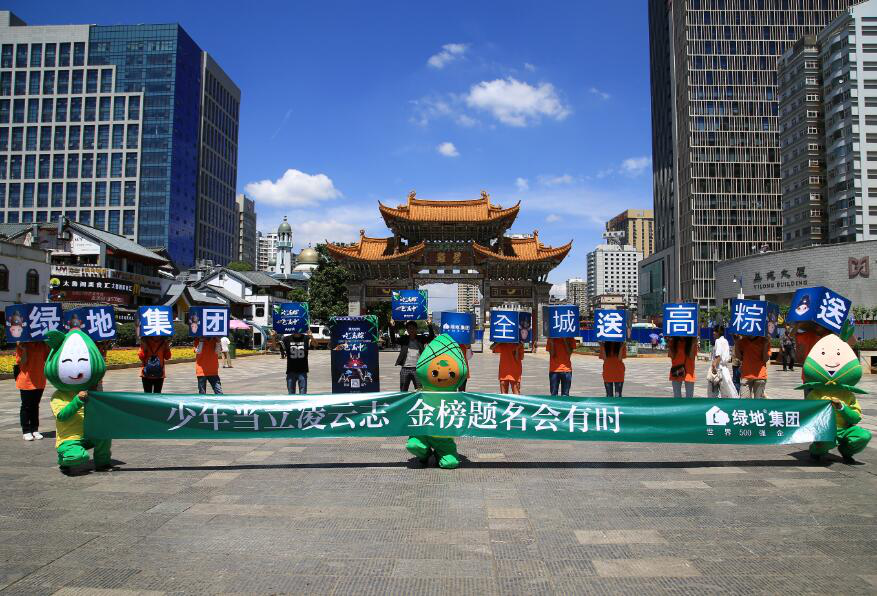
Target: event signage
x=680, y=319
x=505, y=326
x=291, y=317
x=773, y=320
x=459, y=325
x=561, y=320
x=611, y=325
x=354, y=356
x=31, y=322
x=821, y=306
x=459, y=414
x=409, y=305
x=208, y=321
x=155, y=321
x=525, y=321
x=99, y=322
x=748, y=317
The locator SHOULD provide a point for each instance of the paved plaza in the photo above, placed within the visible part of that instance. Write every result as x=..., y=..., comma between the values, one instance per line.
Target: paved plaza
x=343, y=516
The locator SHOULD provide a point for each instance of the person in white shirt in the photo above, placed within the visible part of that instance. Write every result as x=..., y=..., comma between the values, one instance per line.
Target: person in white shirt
x=226, y=361
x=719, y=381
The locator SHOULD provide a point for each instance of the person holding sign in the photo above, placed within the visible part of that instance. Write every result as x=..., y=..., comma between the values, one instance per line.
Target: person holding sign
x=207, y=351
x=154, y=351
x=613, y=353
x=30, y=380
x=682, y=353
x=560, y=351
x=411, y=345
x=294, y=348
x=753, y=354
x=511, y=359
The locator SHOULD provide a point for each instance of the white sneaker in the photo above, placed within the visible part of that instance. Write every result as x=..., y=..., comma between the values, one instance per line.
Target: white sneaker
x=37, y=436
x=27, y=436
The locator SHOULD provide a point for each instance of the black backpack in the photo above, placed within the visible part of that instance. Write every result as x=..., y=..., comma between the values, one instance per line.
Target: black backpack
x=153, y=369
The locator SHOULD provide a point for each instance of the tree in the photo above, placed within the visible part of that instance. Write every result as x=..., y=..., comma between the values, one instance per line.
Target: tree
x=328, y=288
x=239, y=266
x=298, y=295
x=382, y=310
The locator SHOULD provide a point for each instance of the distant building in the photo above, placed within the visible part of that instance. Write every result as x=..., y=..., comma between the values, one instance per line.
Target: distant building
x=306, y=261
x=577, y=293
x=638, y=226
x=267, y=251
x=24, y=274
x=612, y=269
x=468, y=298
x=611, y=301
x=248, y=241
x=283, y=258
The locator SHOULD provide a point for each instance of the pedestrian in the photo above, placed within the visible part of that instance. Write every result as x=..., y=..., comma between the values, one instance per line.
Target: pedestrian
x=753, y=354
x=719, y=381
x=560, y=351
x=682, y=353
x=787, y=343
x=511, y=359
x=30, y=380
x=613, y=353
x=410, y=347
x=207, y=351
x=295, y=348
x=466, y=349
x=154, y=352
x=735, y=366
x=224, y=344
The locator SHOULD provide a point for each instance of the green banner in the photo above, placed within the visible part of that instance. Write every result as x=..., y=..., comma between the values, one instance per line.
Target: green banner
x=658, y=420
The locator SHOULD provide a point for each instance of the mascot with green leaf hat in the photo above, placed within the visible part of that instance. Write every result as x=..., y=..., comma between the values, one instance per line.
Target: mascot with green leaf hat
x=831, y=371
x=74, y=366
x=441, y=367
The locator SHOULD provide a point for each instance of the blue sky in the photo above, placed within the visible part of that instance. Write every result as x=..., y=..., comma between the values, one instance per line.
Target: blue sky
x=346, y=103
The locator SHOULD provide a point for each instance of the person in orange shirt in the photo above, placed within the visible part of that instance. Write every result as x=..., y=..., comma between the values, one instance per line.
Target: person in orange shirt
x=613, y=353
x=31, y=382
x=511, y=358
x=682, y=352
x=154, y=351
x=207, y=351
x=467, y=354
x=560, y=350
x=753, y=354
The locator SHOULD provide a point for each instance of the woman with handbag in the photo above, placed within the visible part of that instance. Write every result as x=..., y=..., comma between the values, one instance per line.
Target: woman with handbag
x=154, y=351
x=720, y=381
x=682, y=353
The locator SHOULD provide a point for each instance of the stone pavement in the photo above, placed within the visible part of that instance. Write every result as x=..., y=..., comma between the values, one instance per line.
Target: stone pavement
x=354, y=517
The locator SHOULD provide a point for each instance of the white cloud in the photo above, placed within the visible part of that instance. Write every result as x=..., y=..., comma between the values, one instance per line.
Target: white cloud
x=464, y=120
x=317, y=231
x=447, y=149
x=601, y=94
x=558, y=291
x=530, y=67
x=429, y=108
x=562, y=180
x=552, y=217
x=517, y=103
x=523, y=184
x=634, y=166
x=450, y=52
x=293, y=189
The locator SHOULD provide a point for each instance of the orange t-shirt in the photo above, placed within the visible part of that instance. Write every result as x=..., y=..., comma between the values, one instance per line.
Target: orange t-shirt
x=807, y=339
x=33, y=373
x=752, y=366
x=680, y=357
x=613, y=366
x=207, y=362
x=560, y=360
x=510, y=365
x=465, y=349
x=152, y=347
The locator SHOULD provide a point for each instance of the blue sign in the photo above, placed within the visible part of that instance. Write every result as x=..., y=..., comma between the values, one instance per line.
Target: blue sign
x=350, y=332
x=155, y=321
x=611, y=325
x=31, y=322
x=460, y=326
x=561, y=320
x=773, y=320
x=748, y=317
x=356, y=371
x=208, y=321
x=291, y=317
x=98, y=322
x=409, y=305
x=680, y=319
x=505, y=326
x=819, y=305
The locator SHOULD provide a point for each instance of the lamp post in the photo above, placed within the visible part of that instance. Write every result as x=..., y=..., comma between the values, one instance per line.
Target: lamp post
x=738, y=279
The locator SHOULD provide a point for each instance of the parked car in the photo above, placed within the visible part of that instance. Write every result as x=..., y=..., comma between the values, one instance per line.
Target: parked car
x=319, y=337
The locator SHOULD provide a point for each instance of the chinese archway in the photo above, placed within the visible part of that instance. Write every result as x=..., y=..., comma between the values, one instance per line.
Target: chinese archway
x=451, y=242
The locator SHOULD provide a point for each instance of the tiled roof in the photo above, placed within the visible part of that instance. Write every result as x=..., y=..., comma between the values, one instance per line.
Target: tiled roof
x=229, y=296
x=374, y=249
x=116, y=242
x=523, y=250
x=12, y=230
x=259, y=278
x=449, y=211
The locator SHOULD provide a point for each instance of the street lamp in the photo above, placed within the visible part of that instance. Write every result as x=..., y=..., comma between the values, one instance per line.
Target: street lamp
x=738, y=279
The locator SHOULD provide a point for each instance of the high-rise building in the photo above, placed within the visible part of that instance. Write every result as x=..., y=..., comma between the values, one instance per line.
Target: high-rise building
x=612, y=269
x=112, y=126
x=468, y=298
x=638, y=226
x=267, y=251
x=577, y=293
x=715, y=136
x=248, y=241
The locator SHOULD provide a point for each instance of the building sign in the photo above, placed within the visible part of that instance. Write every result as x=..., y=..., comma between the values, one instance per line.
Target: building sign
x=385, y=291
x=409, y=305
x=780, y=279
x=80, y=245
x=99, y=322
x=749, y=317
x=142, y=283
x=680, y=319
x=291, y=317
x=560, y=320
x=821, y=306
x=505, y=326
x=155, y=321
x=83, y=289
x=525, y=292
x=208, y=321
x=448, y=257
x=859, y=267
x=459, y=325
x=611, y=325
x=31, y=322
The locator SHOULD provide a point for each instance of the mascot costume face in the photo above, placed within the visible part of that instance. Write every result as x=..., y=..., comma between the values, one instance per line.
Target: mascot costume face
x=831, y=371
x=440, y=368
x=75, y=364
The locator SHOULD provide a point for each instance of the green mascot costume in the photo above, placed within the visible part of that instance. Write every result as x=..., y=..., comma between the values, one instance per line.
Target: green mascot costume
x=74, y=366
x=831, y=372
x=441, y=367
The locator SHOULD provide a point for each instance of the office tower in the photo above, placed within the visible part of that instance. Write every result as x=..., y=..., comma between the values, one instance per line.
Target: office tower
x=612, y=269
x=468, y=297
x=248, y=241
x=638, y=228
x=577, y=293
x=104, y=125
x=715, y=135
x=267, y=251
